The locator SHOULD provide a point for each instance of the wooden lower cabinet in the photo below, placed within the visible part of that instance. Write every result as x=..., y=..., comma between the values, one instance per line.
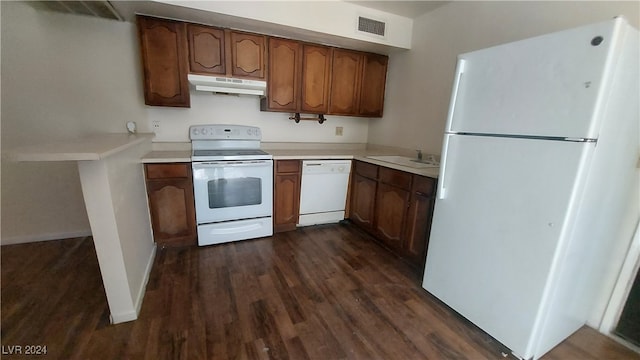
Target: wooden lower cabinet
x=418, y=223
x=395, y=207
x=170, y=194
x=390, y=215
x=364, y=183
x=286, y=195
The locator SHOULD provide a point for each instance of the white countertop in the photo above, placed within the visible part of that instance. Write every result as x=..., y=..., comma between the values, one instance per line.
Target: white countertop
x=162, y=156
x=90, y=147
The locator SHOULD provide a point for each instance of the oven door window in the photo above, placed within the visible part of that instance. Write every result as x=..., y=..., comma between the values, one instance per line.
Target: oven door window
x=232, y=192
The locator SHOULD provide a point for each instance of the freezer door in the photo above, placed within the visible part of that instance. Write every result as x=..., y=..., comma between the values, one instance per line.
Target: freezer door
x=496, y=232
x=543, y=86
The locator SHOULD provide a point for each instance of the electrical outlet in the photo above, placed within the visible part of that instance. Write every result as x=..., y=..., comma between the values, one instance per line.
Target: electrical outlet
x=338, y=130
x=155, y=124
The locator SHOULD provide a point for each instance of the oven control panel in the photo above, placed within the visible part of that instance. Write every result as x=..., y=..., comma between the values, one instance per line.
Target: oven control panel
x=224, y=132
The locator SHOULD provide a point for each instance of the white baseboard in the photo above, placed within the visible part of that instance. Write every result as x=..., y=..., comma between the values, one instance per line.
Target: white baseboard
x=23, y=239
x=124, y=317
x=133, y=315
x=143, y=286
x=320, y=218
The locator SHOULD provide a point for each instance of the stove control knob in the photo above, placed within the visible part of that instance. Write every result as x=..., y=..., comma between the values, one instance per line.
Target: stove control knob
x=203, y=131
x=195, y=131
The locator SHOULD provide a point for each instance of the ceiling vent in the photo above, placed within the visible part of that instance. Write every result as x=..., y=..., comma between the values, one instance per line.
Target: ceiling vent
x=101, y=9
x=371, y=26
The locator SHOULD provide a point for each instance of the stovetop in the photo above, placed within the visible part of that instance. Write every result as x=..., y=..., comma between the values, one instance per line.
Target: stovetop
x=217, y=142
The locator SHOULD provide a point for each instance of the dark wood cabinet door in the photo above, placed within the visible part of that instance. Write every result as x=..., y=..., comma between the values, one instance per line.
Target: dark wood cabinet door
x=206, y=50
x=164, y=60
x=345, y=82
x=374, y=76
x=418, y=226
x=283, y=87
x=247, y=55
x=170, y=193
x=286, y=195
x=390, y=215
x=363, y=201
x=316, y=75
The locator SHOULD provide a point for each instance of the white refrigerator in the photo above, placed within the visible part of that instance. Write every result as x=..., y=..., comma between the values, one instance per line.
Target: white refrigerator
x=538, y=170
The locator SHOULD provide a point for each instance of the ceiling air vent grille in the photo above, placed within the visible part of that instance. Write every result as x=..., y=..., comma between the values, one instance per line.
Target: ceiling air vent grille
x=371, y=26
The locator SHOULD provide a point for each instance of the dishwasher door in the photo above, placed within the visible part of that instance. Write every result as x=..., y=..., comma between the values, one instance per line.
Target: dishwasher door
x=323, y=192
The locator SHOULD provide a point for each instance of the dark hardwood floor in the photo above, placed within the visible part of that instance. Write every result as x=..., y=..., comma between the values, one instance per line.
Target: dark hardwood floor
x=324, y=292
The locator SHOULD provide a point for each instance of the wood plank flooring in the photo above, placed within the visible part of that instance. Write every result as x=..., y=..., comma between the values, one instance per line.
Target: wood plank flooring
x=323, y=292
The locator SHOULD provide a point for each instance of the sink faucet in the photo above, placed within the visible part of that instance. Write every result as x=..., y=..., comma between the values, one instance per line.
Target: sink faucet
x=419, y=154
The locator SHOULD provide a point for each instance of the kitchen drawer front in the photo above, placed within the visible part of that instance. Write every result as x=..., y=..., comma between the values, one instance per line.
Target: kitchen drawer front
x=423, y=185
x=163, y=171
x=395, y=178
x=287, y=166
x=367, y=170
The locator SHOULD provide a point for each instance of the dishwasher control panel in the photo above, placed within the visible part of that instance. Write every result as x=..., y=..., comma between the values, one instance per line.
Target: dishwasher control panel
x=326, y=166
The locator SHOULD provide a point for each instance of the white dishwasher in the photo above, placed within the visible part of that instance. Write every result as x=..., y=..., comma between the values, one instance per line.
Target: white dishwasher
x=323, y=193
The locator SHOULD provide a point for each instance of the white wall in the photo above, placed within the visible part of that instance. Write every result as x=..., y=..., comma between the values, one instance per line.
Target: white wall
x=62, y=76
x=327, y=21
x=66, y=75
x=245, y=110
x=419, y=80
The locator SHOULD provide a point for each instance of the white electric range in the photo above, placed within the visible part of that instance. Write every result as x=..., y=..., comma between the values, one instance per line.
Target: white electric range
x=232, y=182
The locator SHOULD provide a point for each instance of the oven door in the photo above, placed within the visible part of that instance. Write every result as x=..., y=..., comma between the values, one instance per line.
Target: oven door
x=231, y=190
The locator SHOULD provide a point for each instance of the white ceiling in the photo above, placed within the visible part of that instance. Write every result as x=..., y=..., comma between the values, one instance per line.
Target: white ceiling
x=410, y=9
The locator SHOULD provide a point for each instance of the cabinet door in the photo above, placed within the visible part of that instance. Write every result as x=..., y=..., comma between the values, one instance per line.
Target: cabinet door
x=247, y=55
x=286, y=201
x=316, y=74
x=345, y=82
x=363, y=197
x=391, y=211
x=374, y=76
x=172, y=211
x=418, y=224
x=206, y=50
x=164, y=60
x=283, y=87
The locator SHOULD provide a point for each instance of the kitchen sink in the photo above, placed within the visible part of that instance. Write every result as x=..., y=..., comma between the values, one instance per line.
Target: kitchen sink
x=429, y=162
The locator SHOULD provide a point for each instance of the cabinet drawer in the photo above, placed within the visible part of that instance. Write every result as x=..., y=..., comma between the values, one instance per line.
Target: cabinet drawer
x=423, y=185
x=287, y=166
x=367, y=170
x=162, y=171
x=396, y=178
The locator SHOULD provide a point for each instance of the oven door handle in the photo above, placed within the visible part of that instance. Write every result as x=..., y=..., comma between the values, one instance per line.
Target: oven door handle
x=219, y=164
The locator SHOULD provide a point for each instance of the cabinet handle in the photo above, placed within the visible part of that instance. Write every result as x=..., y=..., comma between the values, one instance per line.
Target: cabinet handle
x=419, y=193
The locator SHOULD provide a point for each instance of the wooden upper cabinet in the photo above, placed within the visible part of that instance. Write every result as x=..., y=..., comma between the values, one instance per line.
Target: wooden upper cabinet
x=214, y=51
x=345, y=82
x=283, y=87
x=206, y=50
x=163, y=47
x=374, y=76
x=247, y=55
x=316, y=77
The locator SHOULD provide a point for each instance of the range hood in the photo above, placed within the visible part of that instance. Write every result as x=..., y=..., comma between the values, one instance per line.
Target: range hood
x=227, y=85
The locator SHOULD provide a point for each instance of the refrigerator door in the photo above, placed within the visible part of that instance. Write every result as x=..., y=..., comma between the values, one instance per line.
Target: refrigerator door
x=496, y=232
x=544, y=86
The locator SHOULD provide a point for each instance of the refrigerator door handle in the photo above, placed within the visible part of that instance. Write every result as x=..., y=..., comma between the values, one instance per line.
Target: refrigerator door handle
x=443, y=168
x=454, y=93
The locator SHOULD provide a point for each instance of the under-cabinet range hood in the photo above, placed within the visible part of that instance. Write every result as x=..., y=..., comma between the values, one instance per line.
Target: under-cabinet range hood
x=227, y=85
